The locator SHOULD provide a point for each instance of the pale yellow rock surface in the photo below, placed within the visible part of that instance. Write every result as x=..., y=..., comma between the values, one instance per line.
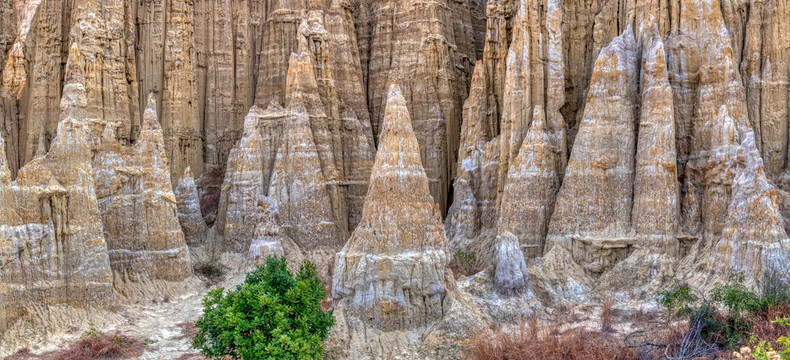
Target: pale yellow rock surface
x=471, y=220
x=425, y=45
x=302, y=204
x=530, y=189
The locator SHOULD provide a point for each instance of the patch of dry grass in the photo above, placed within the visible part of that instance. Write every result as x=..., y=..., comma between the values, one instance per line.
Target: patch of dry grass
x=531, y=341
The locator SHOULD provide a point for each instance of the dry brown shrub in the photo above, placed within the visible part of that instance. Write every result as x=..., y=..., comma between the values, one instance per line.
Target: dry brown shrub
x=105, y=346
x=188, y=330
x=531, y=341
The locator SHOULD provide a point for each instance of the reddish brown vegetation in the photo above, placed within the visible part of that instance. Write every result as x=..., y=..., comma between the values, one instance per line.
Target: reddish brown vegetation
x=326, y=303
x=531, y=341
x=101, y=347
x=188, y=330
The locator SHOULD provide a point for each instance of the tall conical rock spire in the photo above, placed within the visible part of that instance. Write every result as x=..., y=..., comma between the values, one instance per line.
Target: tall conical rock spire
x=472, y=216
x=655, y=216
x=391, y=273
x=56, y=252
x=302, y=203
x=596, y=195
x=243, y=187
x=138, y=208
x=530, y=189
x=189, y=215
x=753, y=241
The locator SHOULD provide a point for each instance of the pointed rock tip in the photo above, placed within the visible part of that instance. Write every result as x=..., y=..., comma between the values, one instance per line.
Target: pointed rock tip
x=274, y=107
x=41, y=150
x=251, y=120
x=396, y=114
x=150, y=118
x=108, y=135
x=538, y=118
x=74, y=72
x=187, y=176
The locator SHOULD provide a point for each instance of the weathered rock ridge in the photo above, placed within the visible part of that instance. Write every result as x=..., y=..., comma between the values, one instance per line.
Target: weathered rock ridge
x=52, y=246
x=138, y=207
x=391, y=273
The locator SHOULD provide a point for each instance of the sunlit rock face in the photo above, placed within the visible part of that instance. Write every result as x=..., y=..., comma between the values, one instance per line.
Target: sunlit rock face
x=138, y=208
x=391, y=273
x=52, y=244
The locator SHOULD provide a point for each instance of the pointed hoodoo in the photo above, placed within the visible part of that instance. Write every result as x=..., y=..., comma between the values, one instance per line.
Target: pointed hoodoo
x=299, y=189
x=303, y=91
x=391, y=273
x=108, y=136
x=753, y=241
x=594, y=202
x=656, y=208
x=189, y=215
x=243, y=187
x=530, y=189
x=524, y=86
x=66, y=220
x=510, y=276
x=590, y=228
x=150, y=118
x=144, y=236
x=473, y=210
x=73, y=101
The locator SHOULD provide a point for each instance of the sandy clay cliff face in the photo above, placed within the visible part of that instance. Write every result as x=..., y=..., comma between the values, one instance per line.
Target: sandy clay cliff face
x=575, y=148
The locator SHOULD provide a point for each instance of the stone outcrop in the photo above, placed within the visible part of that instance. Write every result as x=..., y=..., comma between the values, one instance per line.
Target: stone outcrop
x=473, y=211
x=138, y=208
x=302, y=204
x=268, y=240
x=510, y=276
x=52, y=246
x=655, y=215
x=189, y=215
x=530, y=189
x=595, y=200
x=391, y=273
x=671, y=170
x=243, y=187
x=753, y=241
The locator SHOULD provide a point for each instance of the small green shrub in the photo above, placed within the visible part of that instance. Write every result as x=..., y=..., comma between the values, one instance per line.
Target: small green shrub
x=677, y=299
x=465, y=263
x=272, y=315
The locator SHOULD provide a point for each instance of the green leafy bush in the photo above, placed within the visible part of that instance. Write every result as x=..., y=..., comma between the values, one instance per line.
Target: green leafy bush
x=272, y=315
x=677, y=299
x=745, y=312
